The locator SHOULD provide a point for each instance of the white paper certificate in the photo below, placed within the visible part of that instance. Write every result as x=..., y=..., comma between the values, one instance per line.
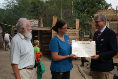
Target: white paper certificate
x=83, y=48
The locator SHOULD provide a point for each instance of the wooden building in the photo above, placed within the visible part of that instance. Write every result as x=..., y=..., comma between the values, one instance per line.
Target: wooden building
x=45, y=34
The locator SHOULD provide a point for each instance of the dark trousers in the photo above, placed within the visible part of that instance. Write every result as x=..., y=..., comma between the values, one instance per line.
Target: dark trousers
x=83, y=59
x=58, y=75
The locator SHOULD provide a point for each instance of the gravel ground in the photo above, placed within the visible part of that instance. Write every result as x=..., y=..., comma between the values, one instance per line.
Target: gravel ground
x=7, y=73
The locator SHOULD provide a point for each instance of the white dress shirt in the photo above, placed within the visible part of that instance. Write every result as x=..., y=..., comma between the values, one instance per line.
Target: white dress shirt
x=22, y=52
x=103, y=29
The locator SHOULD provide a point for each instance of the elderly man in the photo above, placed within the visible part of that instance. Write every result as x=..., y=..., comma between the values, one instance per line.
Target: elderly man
x=22, y=52
x=106, y=48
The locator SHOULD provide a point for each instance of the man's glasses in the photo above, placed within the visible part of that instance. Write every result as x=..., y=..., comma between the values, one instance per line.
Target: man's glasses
x=97, y=21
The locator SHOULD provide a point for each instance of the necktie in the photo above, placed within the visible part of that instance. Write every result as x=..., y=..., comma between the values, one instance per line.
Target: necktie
x=98, y=35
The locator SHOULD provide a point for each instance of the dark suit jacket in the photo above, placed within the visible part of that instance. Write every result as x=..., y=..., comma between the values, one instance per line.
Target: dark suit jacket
x=106, y=48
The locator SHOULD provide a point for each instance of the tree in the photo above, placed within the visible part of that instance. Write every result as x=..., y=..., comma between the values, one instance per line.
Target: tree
x=90, y=6
x=67, y=10
x=86, y=9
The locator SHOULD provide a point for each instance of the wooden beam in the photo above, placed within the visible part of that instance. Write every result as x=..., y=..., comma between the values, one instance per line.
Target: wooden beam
x=111, y=8
x=42, y=28
x=116, y=10
x=103, y=7
x=53, y=24
x=13, y=26
x=73, y=30
x=10, y=25
x=73, y=36
x=6, y=24
x=40, y=23
x=77, y=23
x=39, y=38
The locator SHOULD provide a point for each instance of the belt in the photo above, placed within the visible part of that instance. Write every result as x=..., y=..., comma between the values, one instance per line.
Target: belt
x=27, y=68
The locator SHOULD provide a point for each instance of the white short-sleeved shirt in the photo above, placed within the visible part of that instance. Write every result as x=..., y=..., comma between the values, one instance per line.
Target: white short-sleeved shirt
x=22, y=52
x=6, y=38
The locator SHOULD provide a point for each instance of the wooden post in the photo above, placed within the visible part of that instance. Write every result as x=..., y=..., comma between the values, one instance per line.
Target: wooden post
x=77, y=24
x=40, y=23
x=103, y=7
x=53, y=24
x=39, y=37
x=111, y=8
x=93, y=29
x=116, y=10
x=1, y=38
x=77, y=28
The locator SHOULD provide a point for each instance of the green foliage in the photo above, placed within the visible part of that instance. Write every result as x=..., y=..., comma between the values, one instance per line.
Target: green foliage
x=90, y=6
x=86, y=9
x=63, y=9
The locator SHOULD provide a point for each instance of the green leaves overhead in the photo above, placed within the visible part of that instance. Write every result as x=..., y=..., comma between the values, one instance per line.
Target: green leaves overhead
x=67, y=10
x=90, y=6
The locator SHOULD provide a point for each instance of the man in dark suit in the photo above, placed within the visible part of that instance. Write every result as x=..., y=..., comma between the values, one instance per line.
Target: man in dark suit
x=106, y=48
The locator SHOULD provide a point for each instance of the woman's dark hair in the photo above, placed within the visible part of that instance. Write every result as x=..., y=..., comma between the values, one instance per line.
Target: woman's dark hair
x=59, y=24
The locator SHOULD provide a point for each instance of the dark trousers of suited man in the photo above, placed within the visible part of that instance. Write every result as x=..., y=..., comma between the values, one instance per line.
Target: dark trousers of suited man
x=106, y=48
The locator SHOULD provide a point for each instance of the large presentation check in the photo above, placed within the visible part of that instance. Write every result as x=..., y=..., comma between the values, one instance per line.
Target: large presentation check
x=83, y=48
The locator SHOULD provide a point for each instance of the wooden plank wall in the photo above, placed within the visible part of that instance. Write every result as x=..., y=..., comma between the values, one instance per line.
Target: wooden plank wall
x=114, y=26
x=72, y=33
x=111, y=21
x=108, y=13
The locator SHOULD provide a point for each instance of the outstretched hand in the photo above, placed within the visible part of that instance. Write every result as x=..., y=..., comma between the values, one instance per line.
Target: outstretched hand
x=95, y=57
x=73, y=56
x=90, y=40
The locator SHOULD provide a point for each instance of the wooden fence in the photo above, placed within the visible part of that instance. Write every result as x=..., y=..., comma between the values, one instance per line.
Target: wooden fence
x=73, y=33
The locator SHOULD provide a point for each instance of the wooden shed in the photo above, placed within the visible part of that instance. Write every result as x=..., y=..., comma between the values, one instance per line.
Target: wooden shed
x=45, y=34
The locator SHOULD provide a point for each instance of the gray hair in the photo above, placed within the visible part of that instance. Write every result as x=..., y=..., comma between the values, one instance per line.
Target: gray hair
x=102, y=17
x=21, y=23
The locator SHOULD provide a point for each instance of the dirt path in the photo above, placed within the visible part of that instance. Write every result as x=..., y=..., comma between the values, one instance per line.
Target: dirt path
x=7, y=73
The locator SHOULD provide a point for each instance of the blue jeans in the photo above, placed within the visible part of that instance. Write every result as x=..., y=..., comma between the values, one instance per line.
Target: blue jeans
x=6, y=45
